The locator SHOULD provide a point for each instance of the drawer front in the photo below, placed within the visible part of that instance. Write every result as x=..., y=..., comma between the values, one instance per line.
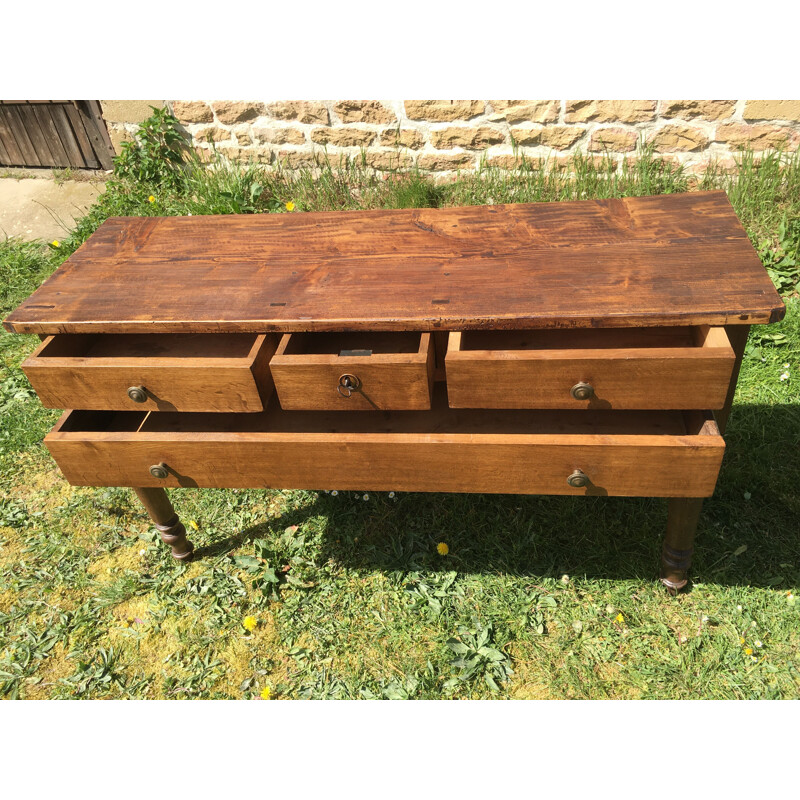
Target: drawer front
x=354, y=378
x=677, y=369
x=181, y=372
x=628, y=465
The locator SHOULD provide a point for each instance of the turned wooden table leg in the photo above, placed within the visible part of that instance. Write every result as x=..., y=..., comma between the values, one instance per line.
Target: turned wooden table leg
x=684, y=513
x=676, y=554
x=162, y=513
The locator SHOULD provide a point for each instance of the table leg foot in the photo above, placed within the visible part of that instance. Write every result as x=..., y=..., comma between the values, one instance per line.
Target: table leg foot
x=161, y=512
x=676, y=554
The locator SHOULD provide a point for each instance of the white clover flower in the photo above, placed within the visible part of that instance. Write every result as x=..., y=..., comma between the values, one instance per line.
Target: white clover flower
x=565, y=579
x=739, y=608
x=753, y=624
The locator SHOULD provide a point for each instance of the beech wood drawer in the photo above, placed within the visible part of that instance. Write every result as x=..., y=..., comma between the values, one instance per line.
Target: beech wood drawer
x=166, y=372
x=636, y=453
x=612, y=368
x=354, y=371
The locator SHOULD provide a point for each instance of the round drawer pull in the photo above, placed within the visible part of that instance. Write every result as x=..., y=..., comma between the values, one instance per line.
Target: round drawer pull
x=137, y=394
x=578, y=479
x=348, y=384
x=582, y=391
x=159, y=471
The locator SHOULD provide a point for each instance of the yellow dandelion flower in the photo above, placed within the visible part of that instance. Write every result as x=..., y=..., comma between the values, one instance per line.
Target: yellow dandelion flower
x=250, y=623
x=442, y=549
x=194, y=525
x=55, y=243
x=748, y=651
x=151, y=199
x=265, y=693
x=619, y=618
x=290, y=206
x=741, y=641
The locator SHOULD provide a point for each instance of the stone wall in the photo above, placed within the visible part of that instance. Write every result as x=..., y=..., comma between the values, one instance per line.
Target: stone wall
x=444, y=136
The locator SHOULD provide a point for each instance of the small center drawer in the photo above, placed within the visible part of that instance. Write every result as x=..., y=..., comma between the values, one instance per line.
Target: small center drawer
x=354, y=371
x=614, y=368
x=155, y=372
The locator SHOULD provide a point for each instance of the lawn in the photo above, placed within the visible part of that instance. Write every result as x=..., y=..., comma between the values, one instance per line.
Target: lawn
x=347, y=595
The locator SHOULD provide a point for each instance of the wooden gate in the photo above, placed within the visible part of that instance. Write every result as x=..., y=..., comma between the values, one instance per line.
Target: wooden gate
x=54, y=133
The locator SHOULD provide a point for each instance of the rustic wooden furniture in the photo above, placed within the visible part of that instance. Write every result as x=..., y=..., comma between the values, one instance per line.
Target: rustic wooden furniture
x=578, y=348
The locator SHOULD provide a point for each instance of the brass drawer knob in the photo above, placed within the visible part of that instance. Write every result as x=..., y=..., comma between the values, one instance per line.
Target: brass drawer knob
x=578, y=479
x=137, y=394
x=582, y=391
x=159, y=471
x=348, y=384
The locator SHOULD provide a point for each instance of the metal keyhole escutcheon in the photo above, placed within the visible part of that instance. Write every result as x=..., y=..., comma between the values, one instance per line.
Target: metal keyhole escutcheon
x=348, y=384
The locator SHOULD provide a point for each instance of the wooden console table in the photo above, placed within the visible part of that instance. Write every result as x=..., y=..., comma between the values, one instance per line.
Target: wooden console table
x=580, y=348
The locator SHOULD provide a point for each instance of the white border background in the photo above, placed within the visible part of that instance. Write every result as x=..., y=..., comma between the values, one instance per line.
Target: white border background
x=259, y=51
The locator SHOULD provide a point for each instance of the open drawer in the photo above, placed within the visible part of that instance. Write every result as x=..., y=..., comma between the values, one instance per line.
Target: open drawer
x=612, y=368
x=637, y=453
x=354, y=371
x=166, y=372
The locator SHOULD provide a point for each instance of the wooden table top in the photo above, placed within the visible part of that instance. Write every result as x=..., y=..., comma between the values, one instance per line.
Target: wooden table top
x=642, y=261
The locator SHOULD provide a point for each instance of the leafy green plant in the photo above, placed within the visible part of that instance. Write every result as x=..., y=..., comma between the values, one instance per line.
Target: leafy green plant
x=759, y=339
x=157, y=155
x=783, y=260
x=477, y=658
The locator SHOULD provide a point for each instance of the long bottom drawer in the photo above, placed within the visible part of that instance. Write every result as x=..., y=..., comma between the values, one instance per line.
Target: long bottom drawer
x=635, y=453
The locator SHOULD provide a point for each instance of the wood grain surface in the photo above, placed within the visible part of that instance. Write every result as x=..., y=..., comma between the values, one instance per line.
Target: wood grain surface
x=679, y=259
x=183, y=372
x=626, y=369
x=663, y=454
x=389, y=378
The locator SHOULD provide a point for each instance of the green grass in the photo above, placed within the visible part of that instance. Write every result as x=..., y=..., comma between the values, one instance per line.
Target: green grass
x=526, y=604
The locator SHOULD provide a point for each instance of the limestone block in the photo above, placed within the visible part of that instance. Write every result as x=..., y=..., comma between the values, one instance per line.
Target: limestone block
x=370, y=111
x=678, y=139
x=469, y=138
x=229, y=112
x=515, y=111
x=300, y=110
x=193, y=111
x=444, y=110
x=698, y=109
x=133, y=111
x=772, y=109
x=343, y=137
x=619, y=140
x=610, y=111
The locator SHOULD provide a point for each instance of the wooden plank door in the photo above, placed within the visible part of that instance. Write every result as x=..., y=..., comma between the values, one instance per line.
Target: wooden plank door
x=54, y=133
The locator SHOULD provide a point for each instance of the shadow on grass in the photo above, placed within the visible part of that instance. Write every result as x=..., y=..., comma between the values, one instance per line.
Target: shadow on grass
x=748, y=531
